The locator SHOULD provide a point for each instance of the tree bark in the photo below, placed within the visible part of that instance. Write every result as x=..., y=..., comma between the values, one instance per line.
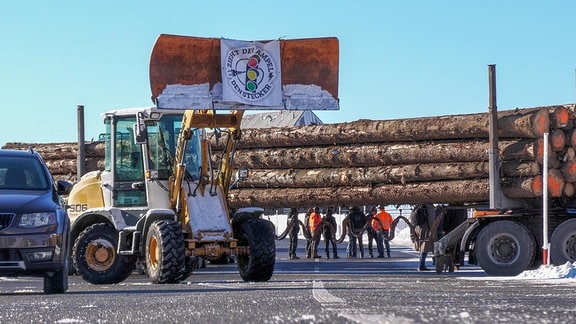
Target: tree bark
x=382, y=154
x=335, y=177
x=57, y=151
x=392, y=194
x=66, y=166
x=530, y=123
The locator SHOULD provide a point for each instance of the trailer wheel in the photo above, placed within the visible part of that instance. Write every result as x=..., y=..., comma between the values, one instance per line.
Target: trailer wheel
x=504, y=248
x=563, y=243
x=165, y=259
x=95, y=256
x=258, y=264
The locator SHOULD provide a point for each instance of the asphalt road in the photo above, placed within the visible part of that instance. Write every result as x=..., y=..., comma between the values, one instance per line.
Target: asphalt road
x=301, y=291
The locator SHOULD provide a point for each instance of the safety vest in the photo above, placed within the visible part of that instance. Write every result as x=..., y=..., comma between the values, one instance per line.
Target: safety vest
x=314, y=221
x=385, y=218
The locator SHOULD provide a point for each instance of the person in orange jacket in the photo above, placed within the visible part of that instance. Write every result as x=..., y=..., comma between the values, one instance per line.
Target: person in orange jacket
x=382, y=228
x=314, y=226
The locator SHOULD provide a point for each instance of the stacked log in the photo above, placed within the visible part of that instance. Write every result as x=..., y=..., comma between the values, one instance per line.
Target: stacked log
x=441, y=159
x=405, y=161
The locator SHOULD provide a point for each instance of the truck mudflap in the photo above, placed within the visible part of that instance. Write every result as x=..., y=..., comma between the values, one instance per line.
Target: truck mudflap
x=449, y=251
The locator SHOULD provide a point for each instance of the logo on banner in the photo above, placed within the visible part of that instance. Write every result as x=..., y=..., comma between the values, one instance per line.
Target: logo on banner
x=251, y=73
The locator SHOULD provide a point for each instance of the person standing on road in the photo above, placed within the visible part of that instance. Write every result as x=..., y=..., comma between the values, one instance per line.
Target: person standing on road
x=315, y=231
x=382, y=225
x=306, y=223
x=356, y=221
x=293, y=232
x=371, y=233
x=422, y=219
x=329, y=232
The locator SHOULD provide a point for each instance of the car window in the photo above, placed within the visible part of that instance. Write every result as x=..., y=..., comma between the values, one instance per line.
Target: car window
x=22, y=173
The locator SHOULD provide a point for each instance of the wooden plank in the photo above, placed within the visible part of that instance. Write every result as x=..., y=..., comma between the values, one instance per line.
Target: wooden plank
x=189, y=60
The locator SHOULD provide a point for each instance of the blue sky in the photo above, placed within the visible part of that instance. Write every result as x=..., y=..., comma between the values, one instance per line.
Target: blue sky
x=398, y=59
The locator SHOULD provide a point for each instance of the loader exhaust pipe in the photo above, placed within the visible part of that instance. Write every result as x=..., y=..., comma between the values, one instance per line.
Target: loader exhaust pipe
x=81, y=157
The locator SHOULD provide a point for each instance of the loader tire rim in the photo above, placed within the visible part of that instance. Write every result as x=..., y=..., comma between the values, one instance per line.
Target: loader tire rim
x=504, y=249
x=153, y=252
x=100, y=255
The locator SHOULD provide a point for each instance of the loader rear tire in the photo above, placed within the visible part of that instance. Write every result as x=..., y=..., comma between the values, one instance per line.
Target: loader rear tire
x=95, y=257
x=258, y=264
x=165, y=255
x=563, y=243
x=505, y=248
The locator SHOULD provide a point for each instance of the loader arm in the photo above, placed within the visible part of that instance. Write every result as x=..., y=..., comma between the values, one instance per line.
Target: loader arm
x=205, y=119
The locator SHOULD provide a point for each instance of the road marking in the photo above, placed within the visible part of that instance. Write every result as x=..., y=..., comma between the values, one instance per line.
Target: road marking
x=324, y=297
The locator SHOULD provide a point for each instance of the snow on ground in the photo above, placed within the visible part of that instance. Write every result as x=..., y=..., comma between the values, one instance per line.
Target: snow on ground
x=565, y=271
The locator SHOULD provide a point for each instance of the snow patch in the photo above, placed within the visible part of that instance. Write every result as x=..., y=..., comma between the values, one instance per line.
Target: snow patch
x=305, y=91
x=565, y=271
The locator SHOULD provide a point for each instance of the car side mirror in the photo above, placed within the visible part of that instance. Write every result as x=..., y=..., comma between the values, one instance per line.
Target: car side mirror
x=63, y=187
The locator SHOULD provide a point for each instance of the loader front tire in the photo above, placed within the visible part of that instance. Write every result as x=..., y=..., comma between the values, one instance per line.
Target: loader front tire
x=95, y=257
x=258, y=264
x=165, y=255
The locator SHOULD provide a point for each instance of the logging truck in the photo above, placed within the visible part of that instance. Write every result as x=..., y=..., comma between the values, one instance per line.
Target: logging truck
x=161, y=200
x=511, y=235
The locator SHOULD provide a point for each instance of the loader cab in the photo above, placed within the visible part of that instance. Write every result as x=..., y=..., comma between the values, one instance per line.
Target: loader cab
x=140, y=146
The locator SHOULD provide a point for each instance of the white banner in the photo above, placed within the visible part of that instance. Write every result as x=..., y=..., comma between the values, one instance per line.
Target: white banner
x=251, y=72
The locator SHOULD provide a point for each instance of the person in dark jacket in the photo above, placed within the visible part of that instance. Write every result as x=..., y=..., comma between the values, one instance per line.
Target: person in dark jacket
x=371, y=233
x=356, y=220
x=293, y=232
x=308, y=240
x=329, y=233
x=422, y=218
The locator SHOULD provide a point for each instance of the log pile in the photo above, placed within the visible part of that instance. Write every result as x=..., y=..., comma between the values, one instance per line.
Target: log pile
x=405, y=161
x=442, y=159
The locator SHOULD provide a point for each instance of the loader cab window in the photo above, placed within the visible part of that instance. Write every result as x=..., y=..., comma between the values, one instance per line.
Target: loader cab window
x=193, y=156
x=124, y=158
x=162, y=141
x=162, y=137
x=128, y=155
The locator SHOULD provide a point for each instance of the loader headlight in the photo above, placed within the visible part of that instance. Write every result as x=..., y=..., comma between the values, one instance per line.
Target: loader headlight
x=37, y=219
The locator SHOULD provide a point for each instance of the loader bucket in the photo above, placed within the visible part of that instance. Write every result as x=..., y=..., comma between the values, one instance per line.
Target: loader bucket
x=186, y=60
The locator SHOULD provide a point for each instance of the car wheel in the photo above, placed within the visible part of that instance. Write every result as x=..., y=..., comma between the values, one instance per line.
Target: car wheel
x=57, y=283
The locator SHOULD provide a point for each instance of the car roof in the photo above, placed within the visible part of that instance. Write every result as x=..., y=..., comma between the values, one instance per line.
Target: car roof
x=18, y=153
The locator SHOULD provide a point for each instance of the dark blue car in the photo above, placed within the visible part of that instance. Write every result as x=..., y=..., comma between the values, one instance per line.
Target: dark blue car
x=34, y=225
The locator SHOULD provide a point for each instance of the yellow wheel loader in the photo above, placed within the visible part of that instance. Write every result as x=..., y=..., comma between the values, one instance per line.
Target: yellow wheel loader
x=161, y=200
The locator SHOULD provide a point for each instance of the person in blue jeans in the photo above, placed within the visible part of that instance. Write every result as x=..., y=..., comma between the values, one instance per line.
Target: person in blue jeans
x=356, y=220
x=293, y=232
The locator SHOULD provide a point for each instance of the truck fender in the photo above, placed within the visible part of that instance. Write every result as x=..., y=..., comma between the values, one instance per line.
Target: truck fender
x=465, y=242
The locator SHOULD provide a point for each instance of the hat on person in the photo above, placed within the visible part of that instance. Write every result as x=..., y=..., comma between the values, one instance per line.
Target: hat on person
x=380, y=207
